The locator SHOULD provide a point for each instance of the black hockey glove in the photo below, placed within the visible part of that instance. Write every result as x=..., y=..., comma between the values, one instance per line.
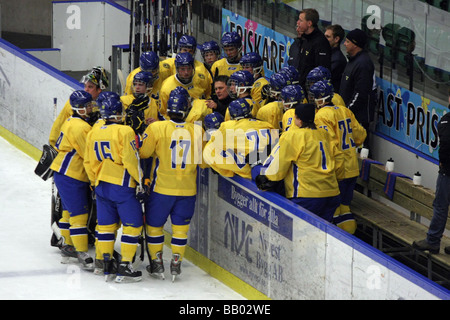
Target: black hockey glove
x=139, y=103
x=136, y=120
x=264, y=184
x=265, y=92
x=142, y=193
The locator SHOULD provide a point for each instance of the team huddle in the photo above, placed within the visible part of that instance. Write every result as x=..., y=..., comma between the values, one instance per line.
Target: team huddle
x=135, y=156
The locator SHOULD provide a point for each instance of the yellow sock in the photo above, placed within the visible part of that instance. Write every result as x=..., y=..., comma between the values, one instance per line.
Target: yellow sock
x=130, y=239
x=179, y=239
x=78, y=232
x=155, y=240
x=106, y=237
x=346, y=220
x=64, y=226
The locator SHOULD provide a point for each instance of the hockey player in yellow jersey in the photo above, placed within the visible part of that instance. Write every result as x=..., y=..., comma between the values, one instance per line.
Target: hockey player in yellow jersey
x=290, y=95
x=198, y=109
x=149, y=62
x=232, y=46
x=72, y=181
x=142, y=86
x=196, y=83
x=111, y=162
x=305, y=159
x=94, y=83
x=321, y=74
x=177, y=150
x=253, y=63
x=240, y=142
x=348, y=134
x=188, y=43
x=273, y=111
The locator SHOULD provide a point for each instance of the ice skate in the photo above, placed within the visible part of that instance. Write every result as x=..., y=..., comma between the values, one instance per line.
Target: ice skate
x=67, y=252
x=126, y=273
x=156, y=267
x=175, y=266
x=86, y=260
x=108, y=269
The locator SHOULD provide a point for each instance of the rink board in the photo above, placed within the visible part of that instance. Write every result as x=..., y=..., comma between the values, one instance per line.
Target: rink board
x=286, y=252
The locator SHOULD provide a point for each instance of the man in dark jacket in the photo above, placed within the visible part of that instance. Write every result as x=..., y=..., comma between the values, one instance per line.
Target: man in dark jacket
x=335, y=34
x=357, y=78
x=315, y=49
x=294, y=50
x=441, y=201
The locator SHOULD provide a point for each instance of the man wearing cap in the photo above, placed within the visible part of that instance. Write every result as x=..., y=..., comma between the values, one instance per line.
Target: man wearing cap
x=357, y=78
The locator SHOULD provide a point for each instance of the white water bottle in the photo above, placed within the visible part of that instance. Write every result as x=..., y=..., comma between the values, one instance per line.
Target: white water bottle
x=417, y=179
x=364, y=153
x=389, y=165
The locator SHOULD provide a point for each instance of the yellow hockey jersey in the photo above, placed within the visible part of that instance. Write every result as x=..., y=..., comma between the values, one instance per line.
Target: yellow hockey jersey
x=237, y=141
x=222, y=68
x=256, y=91
x=177, y=151
x=198, y=88
x=198, y=111
x=71, y=144
x=304, y=159
x=65, y=113
x=111, y=155
x=347, y=133
x=272, y=113
x=287, y=120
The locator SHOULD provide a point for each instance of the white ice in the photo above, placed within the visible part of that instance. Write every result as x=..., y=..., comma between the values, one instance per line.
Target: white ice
x=30, y=268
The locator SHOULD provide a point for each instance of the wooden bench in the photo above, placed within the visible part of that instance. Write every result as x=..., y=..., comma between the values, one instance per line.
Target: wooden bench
x=387, y=225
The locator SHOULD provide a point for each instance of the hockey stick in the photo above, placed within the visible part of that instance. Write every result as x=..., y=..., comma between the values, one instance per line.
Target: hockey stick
x=140, y=189
x=56, y=200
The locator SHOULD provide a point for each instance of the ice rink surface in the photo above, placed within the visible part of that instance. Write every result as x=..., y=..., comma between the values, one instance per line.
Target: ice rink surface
x=31, y=269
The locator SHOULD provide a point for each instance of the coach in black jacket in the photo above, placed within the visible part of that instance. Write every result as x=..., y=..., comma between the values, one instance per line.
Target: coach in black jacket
x=315, y=50
x=441, y=201
x=357, y=78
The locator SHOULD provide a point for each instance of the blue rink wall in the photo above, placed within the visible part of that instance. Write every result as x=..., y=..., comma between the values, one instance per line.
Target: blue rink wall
x=259, y=243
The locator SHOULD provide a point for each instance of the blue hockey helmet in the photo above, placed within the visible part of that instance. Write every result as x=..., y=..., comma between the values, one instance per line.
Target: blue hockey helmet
x=277, y=82
x=178, y=106
x=180, y=90
x=292, y=94
x=80, y=100
x=189, y=42
x=317, y=74
x=292, y=74
x=239, y=109
x=149, y=61
x=253, y=60
x=184, y=59
x=104, y=95
x=231, y=39
x=242, y=80
x=145, y=77
x=213, y=120
x=210, y=46
x=112, y=109
x=322, y=92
